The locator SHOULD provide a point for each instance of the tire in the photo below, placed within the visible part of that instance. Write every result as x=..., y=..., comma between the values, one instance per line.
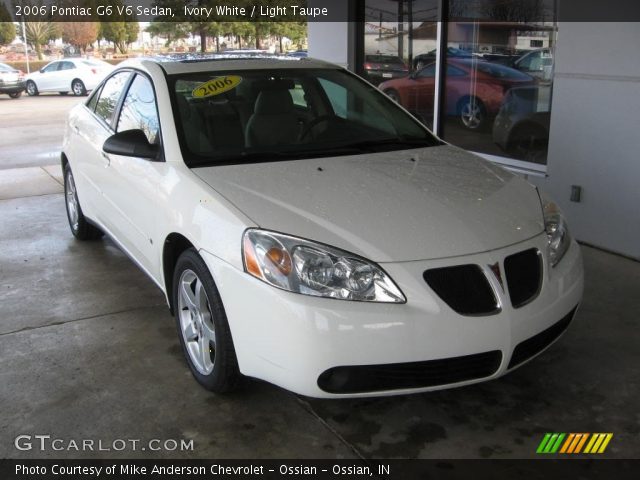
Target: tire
x=529, y=143
x=32, y=89
x=15, y=95
x=79, y=225
x=202, y=325
x=78, y=89
x=472, y=113
x=393, y=95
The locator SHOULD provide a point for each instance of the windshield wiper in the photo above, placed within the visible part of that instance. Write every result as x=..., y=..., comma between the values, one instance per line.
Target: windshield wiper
x=367, y=145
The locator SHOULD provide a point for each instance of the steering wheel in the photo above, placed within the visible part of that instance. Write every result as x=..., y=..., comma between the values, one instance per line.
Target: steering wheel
x=317, y=121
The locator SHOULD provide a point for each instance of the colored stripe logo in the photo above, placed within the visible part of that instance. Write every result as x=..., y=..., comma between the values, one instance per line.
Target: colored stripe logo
x=572, y=443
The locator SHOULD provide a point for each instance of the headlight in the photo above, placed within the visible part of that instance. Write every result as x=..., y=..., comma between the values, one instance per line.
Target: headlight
x=310, y=268
x=557, y=230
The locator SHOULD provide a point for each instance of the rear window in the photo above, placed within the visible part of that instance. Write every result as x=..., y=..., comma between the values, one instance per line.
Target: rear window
x=500, y=71
x=384, y=59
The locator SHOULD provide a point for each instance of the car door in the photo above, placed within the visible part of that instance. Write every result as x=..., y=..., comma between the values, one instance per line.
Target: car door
x=89, y=127
x=48, y=77
x=65, y=75
x=132, y=188
x=421, y=90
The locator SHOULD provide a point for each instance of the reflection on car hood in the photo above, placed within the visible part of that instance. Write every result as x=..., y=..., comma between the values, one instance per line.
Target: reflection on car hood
x=392, y=206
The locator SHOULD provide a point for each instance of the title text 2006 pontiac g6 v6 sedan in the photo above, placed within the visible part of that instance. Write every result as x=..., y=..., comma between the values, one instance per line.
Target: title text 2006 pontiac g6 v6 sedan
x=308, y=231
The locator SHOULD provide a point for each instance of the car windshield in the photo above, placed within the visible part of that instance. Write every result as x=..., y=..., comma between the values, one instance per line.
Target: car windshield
x=5, y=68
x=244, y=116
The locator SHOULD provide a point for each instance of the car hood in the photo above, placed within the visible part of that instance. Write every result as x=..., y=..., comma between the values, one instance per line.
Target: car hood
x=392, y=206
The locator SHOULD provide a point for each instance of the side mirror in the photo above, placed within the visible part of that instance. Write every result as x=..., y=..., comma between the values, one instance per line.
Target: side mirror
x=130, y=143
x=42, y=70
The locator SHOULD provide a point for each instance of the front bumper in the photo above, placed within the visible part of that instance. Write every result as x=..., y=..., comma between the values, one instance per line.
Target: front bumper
x=291, y=340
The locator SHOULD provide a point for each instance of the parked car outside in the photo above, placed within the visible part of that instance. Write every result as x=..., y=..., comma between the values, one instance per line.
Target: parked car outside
x=537, y=63
x=424, y=59
x=474, y=90
x=76, y=75
x=11, y=81
x=521, y=127
x=298, y=54
x=334, y=247
x=378, y=67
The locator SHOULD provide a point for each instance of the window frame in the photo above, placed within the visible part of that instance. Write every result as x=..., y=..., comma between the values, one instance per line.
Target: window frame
x=111, y=127
x=155, y=103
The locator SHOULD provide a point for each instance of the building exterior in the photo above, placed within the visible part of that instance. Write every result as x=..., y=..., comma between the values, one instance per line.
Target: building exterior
x=554, y=101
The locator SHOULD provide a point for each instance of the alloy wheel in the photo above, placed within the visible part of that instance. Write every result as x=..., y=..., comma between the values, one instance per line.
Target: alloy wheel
x=471, y=114
x=72, y=202
x=196, y=322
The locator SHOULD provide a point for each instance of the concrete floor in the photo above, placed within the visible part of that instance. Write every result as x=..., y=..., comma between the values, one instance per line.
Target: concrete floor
x=88, y=350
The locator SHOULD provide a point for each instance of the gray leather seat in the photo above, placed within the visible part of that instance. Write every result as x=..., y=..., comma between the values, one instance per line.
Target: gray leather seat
x=274, y=121
x=194, y=128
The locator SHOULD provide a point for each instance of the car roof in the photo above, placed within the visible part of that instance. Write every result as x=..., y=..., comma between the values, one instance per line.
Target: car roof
x=193, y=63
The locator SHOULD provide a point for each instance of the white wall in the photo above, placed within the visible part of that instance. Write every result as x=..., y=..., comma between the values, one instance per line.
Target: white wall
x=330, y=41
x=595, y=133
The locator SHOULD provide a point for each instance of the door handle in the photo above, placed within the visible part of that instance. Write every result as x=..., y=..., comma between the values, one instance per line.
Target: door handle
x=106, y=159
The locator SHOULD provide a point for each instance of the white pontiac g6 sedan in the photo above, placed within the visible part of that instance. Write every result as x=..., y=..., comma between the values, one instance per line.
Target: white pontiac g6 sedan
x=76, y=75
x=307, y=231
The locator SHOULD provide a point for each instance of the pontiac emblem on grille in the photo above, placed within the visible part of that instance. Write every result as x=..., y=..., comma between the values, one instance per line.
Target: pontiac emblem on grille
x=495, y=268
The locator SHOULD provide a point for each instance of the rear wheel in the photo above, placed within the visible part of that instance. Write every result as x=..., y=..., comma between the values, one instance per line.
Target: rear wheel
x=202, y=325
x=15, y=95
x=529, y=143
x=32, y=89
x=79, y=225
x=393, y=95
x=78, y=89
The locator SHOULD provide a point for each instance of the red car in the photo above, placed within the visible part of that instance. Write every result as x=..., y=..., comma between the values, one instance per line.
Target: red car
x=474, y=89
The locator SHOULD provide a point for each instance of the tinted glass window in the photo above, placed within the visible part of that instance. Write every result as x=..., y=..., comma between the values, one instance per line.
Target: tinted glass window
x=139, y=109
x=93, y=100
x=383, y=59
x=66, y=66
x=429, y=71
x=52, y=67
x=110, y=95
x=251, y=115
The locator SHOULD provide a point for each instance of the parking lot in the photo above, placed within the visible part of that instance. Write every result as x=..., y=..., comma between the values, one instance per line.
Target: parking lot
x=89, y=350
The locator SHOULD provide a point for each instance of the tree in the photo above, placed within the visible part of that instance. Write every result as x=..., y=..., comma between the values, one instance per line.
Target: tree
x=171, y=31
x=7, y=27
x=80, y=34
x=121, y=34
x=39, y=33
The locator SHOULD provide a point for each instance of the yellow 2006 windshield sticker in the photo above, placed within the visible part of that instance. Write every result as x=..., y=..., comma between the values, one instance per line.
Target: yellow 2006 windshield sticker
x=216, y=86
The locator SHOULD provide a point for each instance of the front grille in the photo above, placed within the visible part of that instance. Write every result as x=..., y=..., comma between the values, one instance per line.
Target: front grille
x=524, y=276
x=534, y=345
x=464, y=288
x=372, y=378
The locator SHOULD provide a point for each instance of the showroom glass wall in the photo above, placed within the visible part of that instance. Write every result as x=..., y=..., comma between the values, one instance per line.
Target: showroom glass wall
x=482, y=78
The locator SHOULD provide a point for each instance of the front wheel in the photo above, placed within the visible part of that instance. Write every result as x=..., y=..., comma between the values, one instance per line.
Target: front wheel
x=32, y=89
x=202, y=325
x=79, y=225
x=78, y=89
x=472, y=113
